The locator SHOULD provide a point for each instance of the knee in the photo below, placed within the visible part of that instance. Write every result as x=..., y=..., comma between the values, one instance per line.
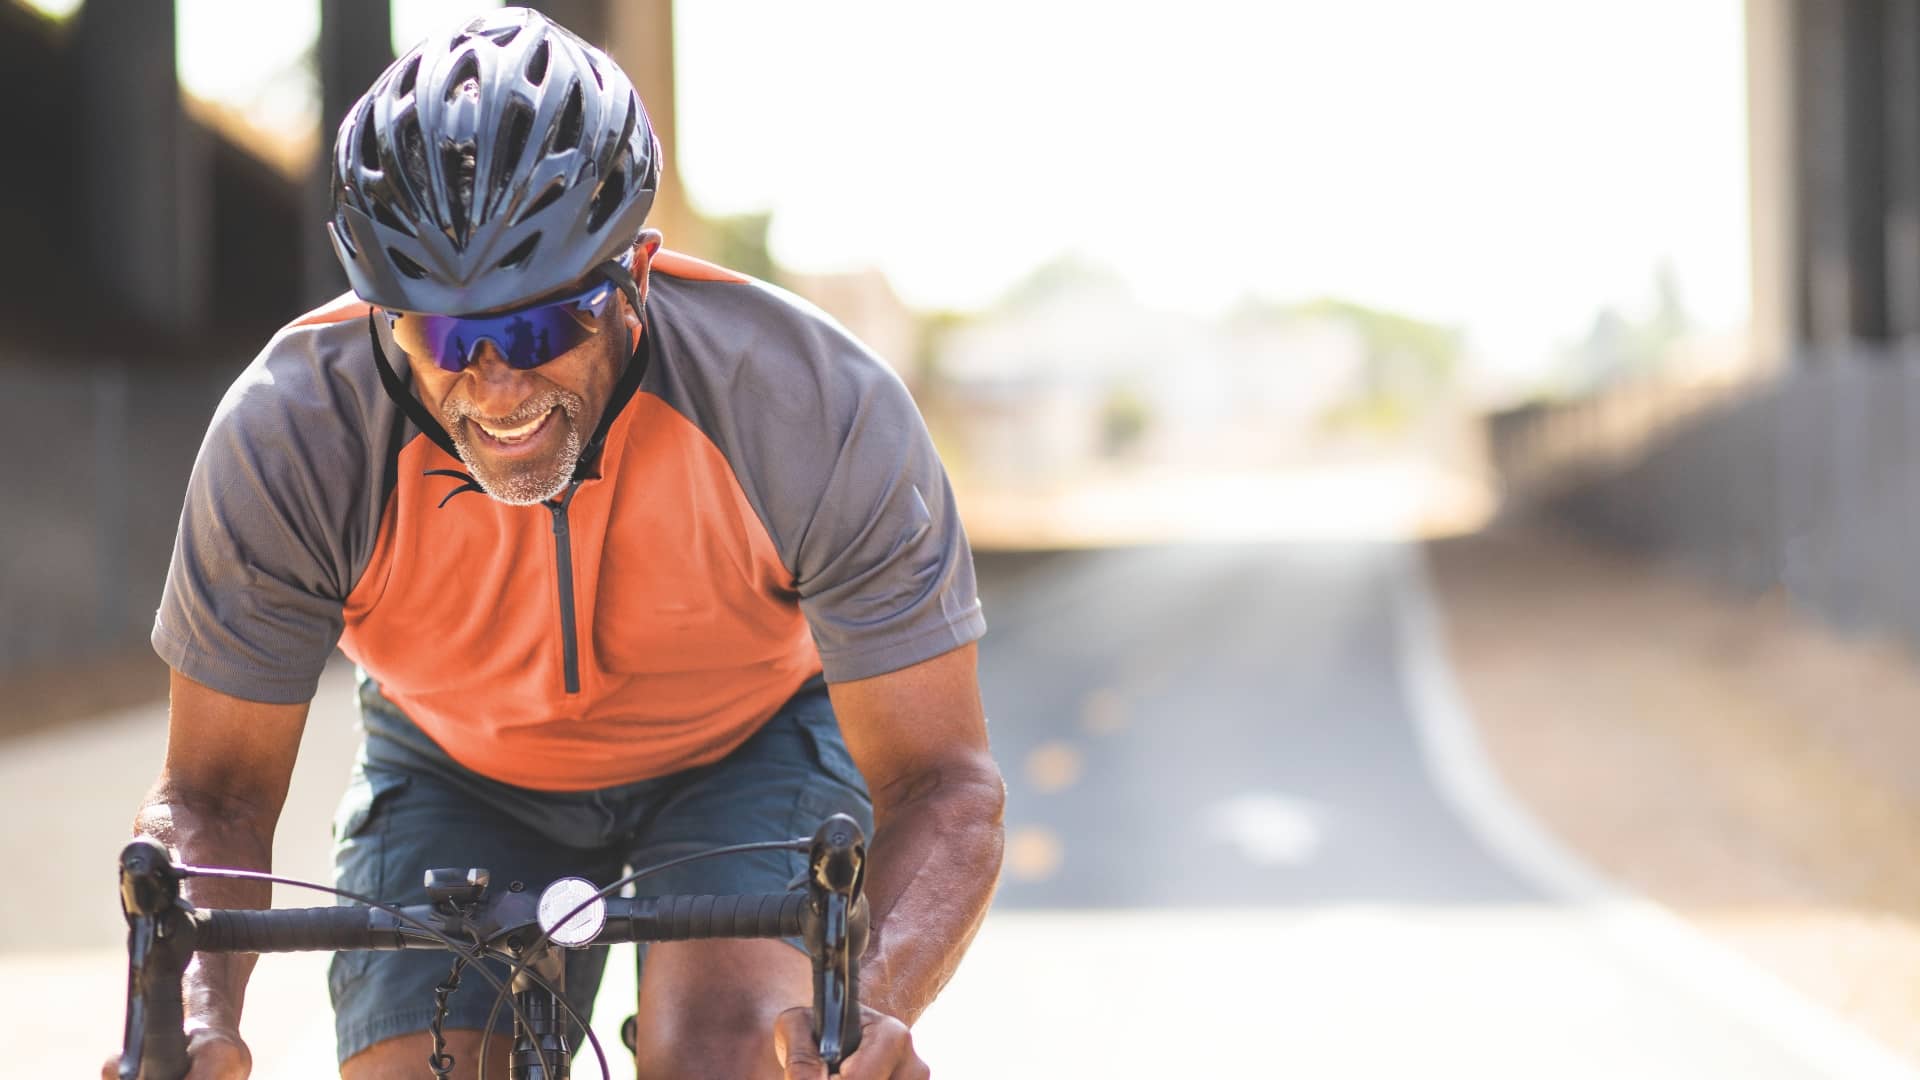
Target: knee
x=697, y=1044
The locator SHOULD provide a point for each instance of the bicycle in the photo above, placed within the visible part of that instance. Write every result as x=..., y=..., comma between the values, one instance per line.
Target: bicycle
x=164, y=931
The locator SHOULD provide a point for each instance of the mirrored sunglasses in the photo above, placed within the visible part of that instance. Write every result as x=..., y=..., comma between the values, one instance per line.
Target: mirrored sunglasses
x=526, y=338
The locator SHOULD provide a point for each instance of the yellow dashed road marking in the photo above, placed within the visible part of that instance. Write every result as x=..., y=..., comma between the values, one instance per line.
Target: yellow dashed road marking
x=1103, y=712
x=1033, y=853
x=1053, y=767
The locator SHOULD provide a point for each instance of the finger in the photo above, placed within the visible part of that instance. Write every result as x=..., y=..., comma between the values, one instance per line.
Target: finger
x=886, y=1053
x=218, y=1054
x=793, y=1045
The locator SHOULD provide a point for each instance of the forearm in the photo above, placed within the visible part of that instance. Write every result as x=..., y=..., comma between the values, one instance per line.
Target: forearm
x=932, y=865
x=209, y=831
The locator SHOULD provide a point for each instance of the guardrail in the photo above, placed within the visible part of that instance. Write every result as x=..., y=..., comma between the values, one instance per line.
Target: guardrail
x=1808, y=481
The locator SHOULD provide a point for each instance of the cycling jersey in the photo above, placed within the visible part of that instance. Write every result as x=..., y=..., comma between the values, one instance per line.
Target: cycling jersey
x=767, y=508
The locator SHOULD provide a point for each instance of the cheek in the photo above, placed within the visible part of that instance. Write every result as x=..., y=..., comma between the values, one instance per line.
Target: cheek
x=589, y=373
x=432, y=385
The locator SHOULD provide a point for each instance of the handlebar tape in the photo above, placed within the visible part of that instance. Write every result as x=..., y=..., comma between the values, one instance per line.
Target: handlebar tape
x=683, y=918
x=317, y=929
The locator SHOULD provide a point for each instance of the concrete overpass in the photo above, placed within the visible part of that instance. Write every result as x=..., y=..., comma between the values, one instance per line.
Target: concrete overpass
x=141, y=200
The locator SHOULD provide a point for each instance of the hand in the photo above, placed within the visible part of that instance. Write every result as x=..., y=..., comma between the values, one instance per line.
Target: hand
x=886, y=1049
x=216, y=1053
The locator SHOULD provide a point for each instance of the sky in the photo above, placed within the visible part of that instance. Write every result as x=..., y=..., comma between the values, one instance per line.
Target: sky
x=1505, y=166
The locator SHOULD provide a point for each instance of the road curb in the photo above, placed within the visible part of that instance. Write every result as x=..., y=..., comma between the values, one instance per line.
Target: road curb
x=1464, y=775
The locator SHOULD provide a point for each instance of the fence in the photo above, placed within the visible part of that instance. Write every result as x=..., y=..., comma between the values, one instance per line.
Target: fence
x=1808, y=481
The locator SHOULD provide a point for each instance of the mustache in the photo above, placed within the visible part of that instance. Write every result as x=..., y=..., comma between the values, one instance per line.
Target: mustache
x=532, y=409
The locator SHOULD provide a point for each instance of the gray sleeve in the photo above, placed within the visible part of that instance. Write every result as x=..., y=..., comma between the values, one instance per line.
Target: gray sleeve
x=834, y=457
x=276, y=526
x=883, y=568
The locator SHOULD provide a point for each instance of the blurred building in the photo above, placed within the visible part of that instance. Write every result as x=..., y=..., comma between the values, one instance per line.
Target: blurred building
x=1050, y=383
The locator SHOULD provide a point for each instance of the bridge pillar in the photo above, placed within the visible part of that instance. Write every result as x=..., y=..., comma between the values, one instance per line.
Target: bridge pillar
x=1834, y=115
x=641, y=32
x=144, y=169
x=355, y=46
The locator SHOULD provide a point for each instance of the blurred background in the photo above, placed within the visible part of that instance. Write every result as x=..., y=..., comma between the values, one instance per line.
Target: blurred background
x=1441, y=477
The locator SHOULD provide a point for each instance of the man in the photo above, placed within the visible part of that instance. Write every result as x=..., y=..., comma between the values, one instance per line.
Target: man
x=636, y=556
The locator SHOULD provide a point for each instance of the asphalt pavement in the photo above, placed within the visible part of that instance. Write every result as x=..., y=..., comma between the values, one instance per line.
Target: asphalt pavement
x=1238, y=846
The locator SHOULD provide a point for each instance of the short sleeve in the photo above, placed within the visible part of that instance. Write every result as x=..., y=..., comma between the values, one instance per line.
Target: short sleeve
x=884, y=571
x=834, y=457
x=274, y=529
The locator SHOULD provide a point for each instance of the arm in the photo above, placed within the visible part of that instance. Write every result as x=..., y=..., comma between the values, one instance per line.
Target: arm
x=216, y=802
x=920, y=739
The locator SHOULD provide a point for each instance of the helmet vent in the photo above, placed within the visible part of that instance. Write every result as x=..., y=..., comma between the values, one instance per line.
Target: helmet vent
x=566, y=135
x=520, y=254
x=633, y=117
x=458, y=165
x=593, y=65
x=384, y=214
x=607, y=199
x=408, y=75
x=537, y=64
x=465, y=78
x=413, y=160
x=369, y=138
x=515, y=129
x=556, y=188
x=407, y=266
x=503, y=36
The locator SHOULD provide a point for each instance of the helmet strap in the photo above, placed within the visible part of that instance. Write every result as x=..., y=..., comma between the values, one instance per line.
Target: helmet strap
x=629, y=383
x=623, y=391
x=404, y=398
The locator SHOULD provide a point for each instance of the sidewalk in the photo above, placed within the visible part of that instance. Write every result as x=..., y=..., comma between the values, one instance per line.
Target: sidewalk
x=1757, y=775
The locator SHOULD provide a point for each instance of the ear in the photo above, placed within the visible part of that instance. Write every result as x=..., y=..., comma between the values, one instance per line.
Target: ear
x=644, y=249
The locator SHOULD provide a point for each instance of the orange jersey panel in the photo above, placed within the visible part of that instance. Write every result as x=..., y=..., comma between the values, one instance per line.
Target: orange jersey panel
x=688, y=630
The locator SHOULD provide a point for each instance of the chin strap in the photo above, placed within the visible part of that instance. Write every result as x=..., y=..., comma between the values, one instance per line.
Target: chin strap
x=637, y=366
x=623, y=391
x=404, y=398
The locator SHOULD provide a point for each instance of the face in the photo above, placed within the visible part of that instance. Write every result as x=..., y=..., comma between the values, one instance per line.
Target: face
x=521, y=433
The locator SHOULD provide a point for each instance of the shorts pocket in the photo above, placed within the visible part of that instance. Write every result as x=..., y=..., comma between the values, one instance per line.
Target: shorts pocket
x=838, y=786
x=368, y=791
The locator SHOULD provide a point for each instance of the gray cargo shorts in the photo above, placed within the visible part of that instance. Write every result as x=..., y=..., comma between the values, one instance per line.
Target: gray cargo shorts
x=410, y=807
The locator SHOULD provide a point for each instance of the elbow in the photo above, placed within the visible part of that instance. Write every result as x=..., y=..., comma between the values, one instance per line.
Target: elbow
x=967, y=794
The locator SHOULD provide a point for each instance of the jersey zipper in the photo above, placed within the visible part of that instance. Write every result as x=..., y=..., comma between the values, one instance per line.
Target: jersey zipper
x=563, y=551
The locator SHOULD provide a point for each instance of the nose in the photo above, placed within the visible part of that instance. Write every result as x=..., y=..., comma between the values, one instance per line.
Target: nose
x=495, y=388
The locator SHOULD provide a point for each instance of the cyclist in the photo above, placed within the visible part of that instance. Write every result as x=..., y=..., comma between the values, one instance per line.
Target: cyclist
x=635, y=555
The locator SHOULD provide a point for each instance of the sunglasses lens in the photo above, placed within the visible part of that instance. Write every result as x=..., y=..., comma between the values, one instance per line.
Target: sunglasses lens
x=526, y=339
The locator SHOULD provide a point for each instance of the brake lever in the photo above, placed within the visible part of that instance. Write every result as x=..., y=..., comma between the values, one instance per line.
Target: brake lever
x=836, y=932
x=159, y=945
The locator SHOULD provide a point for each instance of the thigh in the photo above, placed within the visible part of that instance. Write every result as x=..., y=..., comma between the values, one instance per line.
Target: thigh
x=395, y=824
x=778, y=785
x=707, y=1007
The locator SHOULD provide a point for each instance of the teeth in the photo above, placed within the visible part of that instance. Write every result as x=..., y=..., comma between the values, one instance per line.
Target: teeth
x=511, y=434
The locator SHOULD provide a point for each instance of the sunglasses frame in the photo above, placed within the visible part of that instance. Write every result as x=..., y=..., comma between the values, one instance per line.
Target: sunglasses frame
x=500, y=329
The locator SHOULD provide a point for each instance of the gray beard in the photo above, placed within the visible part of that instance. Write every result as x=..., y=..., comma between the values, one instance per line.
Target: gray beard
x=533, y=482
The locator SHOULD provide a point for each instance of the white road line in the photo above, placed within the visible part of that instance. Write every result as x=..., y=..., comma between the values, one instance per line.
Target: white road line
x=1661, y=940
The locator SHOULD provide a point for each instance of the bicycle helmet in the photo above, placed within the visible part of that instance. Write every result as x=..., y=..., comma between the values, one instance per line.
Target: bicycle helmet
x=489, y=167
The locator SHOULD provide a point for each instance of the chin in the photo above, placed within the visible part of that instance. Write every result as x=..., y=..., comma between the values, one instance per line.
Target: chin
x=522, y=484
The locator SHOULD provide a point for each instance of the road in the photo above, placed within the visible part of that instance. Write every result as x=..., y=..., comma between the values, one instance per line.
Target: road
x=1240, y=844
